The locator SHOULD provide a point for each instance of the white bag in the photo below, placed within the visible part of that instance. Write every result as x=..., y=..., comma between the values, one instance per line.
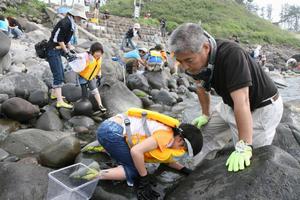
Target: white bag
x=79, y=64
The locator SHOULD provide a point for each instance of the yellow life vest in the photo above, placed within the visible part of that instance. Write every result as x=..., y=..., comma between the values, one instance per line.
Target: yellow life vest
x=164, y=119
x=156, y=155
x=92, y=68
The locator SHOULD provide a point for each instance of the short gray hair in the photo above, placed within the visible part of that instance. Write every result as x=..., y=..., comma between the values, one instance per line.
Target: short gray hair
x=187, y=37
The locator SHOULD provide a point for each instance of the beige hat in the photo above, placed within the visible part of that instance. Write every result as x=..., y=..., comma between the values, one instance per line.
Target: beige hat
x=78, y=10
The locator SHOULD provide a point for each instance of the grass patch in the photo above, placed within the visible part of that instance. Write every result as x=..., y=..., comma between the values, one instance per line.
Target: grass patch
x=31, y=7
x=221, y=18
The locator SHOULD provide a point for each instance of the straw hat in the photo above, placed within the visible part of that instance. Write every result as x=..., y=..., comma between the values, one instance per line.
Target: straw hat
x=78, y=10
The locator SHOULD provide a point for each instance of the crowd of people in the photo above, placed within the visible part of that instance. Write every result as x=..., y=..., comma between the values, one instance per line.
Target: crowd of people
x=251, y=106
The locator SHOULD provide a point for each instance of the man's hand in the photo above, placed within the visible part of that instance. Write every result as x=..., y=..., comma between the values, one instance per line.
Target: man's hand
x=240, y=157
x=143, y=189
x=200, y=121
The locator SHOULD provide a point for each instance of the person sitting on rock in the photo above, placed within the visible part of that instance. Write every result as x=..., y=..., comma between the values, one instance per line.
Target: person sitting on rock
x=4, y=25
x=134, y=58
x=156, y=58
x=15, y=27
x=59, y=45
x=141, y=136
x=92, y=71
x=132, y=32
x=251, y=108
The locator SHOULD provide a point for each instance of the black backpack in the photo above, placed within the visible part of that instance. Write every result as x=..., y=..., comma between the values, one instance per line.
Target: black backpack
x=41, y=49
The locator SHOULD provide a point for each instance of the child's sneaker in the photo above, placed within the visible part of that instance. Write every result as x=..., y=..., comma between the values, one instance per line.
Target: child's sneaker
x=63, y=105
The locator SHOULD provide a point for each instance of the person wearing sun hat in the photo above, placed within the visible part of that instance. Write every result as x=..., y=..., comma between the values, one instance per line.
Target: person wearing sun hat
x=59, y=45
x=134, y=58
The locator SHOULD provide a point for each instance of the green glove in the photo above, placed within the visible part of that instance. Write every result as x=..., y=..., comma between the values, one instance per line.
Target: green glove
x=240, y=157
x=200, y=121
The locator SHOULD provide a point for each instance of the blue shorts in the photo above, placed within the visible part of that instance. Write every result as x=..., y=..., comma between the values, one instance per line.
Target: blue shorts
x=110, y=136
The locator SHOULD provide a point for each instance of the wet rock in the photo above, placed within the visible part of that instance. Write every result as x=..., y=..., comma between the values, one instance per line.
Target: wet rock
x=29, y=141
x=71, y=92
x=117, y=98
x=49, y=121
x=83, y=107
x=138, y=81
x=285, y=139
x=21, y=81
x=19, y=109
x=65, y=113
x=273, y=174
x=61, y=153
x=31, y=183
x=164, y=97
x=81, y=121
x=39, y=98
x=157, y=80
x=147, y=102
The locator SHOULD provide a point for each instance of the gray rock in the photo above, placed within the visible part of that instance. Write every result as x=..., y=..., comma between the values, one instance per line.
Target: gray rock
x=61, y=153
x=71, y=92
x=117, y=98
x=7, y=126
x=31, y=183
x=49, y=121
x=5, y=44
x=273, y=174
x=11, y=81
x=3, y=97
x=65, y=113
x=81, y=121
x=164, y=97
x=39, y=98
x=157, y=80
x=138, y=81
x=19, y=109
x=3, y=154
x=83, y=107
x=28, y=141
x=5, y=63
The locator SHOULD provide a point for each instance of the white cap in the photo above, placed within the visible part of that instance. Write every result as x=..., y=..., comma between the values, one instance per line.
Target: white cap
x=137, y=26
x=143, y=49
x=78, y=10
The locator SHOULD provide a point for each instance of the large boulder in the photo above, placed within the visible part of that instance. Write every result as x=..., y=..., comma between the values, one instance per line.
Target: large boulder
x=29, y=141
x=21, y=181
x=165, y=97
x=117, y=97
x=71, y=91
x=11, y=81
x=81, y=121
x=39, y=98
x=157, y=80
x=138, y=81
x=49, y=121
x=5, y=44
x=61, y=153
x=19, y=109
x=273, y=174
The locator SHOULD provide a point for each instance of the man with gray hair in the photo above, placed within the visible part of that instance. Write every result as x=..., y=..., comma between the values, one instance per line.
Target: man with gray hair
x=251, y=108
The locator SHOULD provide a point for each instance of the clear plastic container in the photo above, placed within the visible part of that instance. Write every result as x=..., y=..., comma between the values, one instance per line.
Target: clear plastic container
x=62, y=186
